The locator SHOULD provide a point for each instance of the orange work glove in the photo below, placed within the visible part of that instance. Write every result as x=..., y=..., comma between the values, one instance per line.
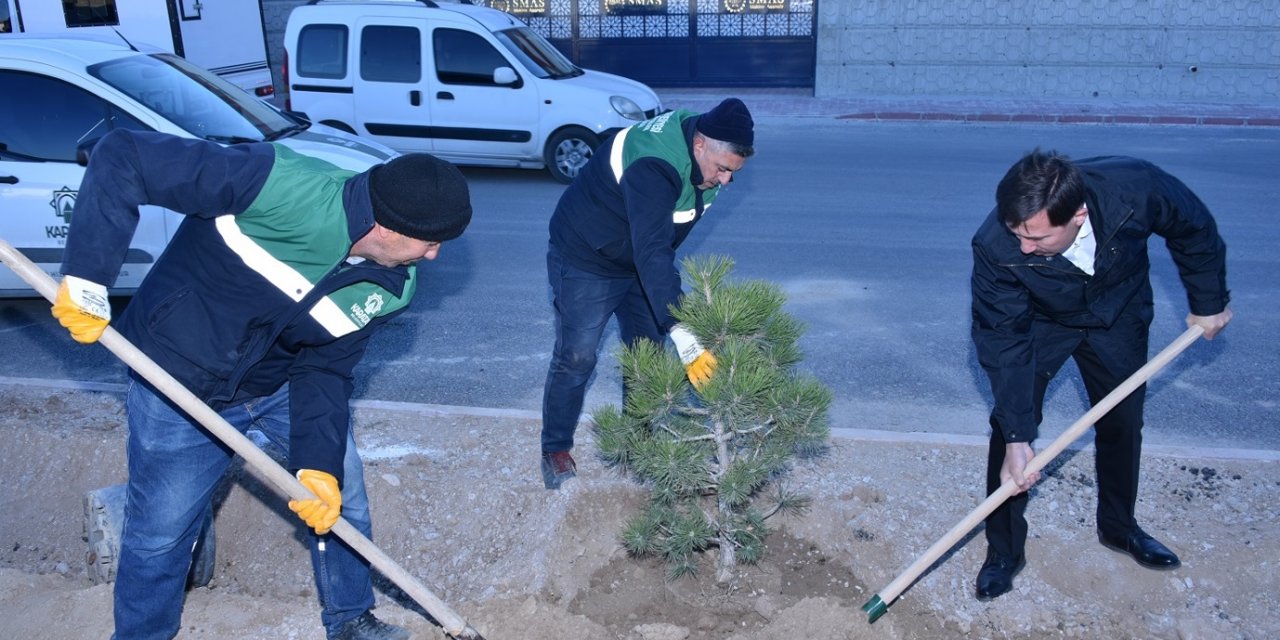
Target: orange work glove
x=82, y=307
x=320, y=513
x=699, y=364
x=700, y=370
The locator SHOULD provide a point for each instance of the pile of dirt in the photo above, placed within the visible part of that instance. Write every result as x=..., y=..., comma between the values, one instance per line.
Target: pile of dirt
x=458, y=501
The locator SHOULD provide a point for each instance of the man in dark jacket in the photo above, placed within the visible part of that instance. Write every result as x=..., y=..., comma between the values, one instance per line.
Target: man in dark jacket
x=1060, y=269
x=261, y=305
x=614, y=234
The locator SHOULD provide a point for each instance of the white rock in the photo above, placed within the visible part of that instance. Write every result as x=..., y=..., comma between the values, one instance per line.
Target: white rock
x=765, y=607
x=661, y=631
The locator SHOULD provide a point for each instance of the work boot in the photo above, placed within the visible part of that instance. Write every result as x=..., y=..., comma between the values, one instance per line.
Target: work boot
x=367, y=627
x=557, y=467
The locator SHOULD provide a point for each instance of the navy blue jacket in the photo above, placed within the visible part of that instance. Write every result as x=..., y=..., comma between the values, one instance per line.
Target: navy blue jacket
x=625, y=229
x=202, y=313
x=1017, y=296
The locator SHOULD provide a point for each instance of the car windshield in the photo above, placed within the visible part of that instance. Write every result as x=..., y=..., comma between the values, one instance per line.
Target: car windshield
x=200, y=102
x=534, y=52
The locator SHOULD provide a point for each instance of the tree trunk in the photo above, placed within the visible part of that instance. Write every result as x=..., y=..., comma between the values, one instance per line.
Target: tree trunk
x=728, y=554
x=728, y=559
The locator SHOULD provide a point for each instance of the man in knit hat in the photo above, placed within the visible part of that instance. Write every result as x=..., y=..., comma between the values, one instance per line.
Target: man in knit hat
x=261, y=305
x=614, y=235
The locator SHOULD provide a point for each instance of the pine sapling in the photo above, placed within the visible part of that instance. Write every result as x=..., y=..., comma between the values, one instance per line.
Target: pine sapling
x=714, y=457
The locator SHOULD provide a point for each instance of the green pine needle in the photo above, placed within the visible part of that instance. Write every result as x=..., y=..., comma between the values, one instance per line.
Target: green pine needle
x=708, y=455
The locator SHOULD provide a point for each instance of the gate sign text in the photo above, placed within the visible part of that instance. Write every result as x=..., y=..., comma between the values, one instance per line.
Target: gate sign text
x=633, y=7
x=753, y=6
x=521, y=7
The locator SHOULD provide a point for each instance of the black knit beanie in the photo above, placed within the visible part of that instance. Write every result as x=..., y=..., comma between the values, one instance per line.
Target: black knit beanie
x=729, y=121
x=420, y=196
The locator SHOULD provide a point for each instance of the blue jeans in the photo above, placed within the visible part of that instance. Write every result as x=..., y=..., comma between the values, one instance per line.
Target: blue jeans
x=584, y=302
x=174, y=468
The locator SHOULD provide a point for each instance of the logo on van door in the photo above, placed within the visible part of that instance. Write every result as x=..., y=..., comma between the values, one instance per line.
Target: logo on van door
x=64, y=204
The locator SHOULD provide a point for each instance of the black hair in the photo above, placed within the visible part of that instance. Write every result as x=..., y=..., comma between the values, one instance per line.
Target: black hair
x=1038, y=182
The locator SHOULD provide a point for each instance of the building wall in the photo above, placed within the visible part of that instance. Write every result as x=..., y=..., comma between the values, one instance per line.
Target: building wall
x=688, y=43
x=1202, y=50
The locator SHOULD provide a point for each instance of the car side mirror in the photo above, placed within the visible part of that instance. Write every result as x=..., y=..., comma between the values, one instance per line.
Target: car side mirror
x=84, y=149
x=304, y=118
x=504, y=75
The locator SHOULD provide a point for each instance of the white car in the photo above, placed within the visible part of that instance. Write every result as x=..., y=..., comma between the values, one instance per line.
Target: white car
x=60, y=94
x=470, y=84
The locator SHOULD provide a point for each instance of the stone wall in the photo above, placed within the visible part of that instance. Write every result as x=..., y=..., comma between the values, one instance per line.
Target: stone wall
x=1201, y=50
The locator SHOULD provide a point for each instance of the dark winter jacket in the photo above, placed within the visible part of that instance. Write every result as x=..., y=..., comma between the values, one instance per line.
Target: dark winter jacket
x=1016, y=297
x=632, y=206
x=254, y=290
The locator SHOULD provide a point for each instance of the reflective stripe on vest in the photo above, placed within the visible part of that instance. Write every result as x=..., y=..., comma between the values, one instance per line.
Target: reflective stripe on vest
x=283, y=277
x=615, y=162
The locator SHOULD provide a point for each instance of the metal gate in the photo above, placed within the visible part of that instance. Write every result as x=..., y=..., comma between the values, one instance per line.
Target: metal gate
x=723, y=43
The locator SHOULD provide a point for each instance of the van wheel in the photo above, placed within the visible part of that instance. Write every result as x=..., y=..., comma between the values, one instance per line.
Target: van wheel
x=568, y=152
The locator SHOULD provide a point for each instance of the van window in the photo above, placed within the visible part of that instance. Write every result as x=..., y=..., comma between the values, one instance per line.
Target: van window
x=90, y=13
x=534, y=52
x=391, y=54
x=322, y=51
x=56, y=117
x=463, y=57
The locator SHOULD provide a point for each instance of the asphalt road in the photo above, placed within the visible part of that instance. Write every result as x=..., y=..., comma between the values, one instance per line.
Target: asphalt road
x=866, y=227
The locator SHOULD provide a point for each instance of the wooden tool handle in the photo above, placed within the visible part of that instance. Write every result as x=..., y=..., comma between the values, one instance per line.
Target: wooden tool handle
x=452, y=623
x=887, y=595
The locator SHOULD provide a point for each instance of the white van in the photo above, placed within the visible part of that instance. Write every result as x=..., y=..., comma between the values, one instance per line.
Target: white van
x=470, y=84
x=62, y=94
x=226, y=37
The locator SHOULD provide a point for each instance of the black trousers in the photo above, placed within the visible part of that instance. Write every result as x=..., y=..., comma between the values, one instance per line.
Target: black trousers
x=1117, y=438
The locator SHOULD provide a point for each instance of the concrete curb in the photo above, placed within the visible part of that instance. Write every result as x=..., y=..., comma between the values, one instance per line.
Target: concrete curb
x=865, y=435
x=1047, y=118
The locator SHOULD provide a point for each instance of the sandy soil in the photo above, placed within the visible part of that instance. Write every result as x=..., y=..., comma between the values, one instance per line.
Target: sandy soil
x=458, y=502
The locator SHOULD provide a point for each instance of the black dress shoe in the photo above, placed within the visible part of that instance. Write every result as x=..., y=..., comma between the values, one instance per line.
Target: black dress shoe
x=995, y=578
x=1147, y=551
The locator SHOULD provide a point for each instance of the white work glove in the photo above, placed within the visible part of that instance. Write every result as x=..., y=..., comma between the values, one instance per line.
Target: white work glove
x=82, y=307
x=699, y=363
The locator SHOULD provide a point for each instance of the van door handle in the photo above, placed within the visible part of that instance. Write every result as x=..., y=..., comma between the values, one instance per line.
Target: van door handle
x=415, y=98
x=8, y=179
x=444, y=95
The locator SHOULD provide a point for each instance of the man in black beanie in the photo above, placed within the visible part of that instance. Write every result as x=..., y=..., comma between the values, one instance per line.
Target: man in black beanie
x=614, y=236
x=261, y=305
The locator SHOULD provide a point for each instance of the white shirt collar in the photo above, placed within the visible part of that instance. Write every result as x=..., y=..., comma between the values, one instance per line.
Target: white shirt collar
x=1081, y=252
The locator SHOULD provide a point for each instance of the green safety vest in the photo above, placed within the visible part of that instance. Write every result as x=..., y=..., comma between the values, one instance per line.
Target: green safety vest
x=663, y=137
x=296, y=232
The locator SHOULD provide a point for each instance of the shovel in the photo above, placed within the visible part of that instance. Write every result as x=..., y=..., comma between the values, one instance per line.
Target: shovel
x=451, y=622
x=876, y=606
